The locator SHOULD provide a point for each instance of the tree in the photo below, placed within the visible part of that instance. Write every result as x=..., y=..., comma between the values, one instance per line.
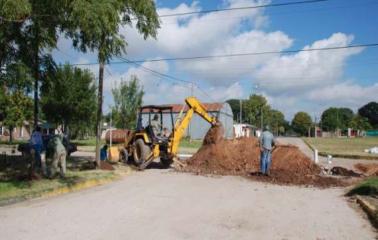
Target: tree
x=128, y=97
x=16, y=105
x=360, y=123
x=257, y=110
x=301, y=123
x=235, y=107
x=31, y=27
x=336, y=118
x=68, y=97
x=276, y=121
x=370, y=111
x=94, y=26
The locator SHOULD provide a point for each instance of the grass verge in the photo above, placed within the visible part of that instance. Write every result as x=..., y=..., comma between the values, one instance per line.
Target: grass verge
x=344, y=147
x=12, y=191
x=369, y=187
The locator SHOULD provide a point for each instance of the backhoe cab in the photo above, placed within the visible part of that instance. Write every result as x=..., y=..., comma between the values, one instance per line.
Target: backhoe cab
x=151, y=140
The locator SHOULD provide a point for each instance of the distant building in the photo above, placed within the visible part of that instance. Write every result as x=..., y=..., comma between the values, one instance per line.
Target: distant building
x=244, y=130
x=198, y=127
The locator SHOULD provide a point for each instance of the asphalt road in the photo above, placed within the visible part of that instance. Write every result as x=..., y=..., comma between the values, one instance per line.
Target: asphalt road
x=160, y=204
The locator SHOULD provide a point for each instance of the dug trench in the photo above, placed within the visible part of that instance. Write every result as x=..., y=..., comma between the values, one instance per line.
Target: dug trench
x=241, y=157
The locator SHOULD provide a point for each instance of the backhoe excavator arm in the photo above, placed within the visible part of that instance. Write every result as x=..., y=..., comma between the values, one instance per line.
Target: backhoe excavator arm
x=180, y=127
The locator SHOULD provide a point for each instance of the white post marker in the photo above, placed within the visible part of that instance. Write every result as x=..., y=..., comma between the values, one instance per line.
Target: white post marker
x=316, y=156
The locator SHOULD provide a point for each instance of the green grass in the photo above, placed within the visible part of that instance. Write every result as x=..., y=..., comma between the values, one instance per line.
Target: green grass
x=14, y=142
x=344, y=146
x=18, y=190
x=367, y=187
x=185, y=143
x=87, y=142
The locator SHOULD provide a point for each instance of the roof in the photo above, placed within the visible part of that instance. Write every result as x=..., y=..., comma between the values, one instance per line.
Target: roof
x=176, y=108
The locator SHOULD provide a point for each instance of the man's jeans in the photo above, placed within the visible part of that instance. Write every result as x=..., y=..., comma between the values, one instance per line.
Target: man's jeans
x=37, y=154
x=265, y=161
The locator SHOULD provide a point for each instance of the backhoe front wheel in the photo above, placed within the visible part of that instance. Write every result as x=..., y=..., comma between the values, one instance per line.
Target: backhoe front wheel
x=141, y=152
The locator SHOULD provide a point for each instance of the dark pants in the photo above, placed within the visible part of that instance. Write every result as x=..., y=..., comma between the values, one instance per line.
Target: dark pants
x=265, y=161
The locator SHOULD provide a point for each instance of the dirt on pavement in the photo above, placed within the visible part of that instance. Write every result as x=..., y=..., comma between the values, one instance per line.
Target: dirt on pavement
x=242, y=157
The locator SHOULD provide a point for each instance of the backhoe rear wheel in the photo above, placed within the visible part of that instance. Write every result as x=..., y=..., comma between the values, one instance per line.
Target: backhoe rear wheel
x=141, y=152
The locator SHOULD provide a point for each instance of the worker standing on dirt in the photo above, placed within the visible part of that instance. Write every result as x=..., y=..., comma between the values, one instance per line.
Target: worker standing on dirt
x=156, y=125
x=56, y=156
x=267, y=143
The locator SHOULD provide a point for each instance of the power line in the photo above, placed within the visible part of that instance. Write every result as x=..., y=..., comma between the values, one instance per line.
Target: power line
x=242, y=8
x=168, y=76
x=238, y=54
x=187, y=13
x=153, y=71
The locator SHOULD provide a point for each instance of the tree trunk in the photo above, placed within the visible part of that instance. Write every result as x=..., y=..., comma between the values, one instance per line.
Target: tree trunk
x=10, y=134
x=36, y=75
x=99, y=111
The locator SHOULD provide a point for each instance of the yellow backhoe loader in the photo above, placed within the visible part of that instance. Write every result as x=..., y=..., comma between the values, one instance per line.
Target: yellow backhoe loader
x=147, y=143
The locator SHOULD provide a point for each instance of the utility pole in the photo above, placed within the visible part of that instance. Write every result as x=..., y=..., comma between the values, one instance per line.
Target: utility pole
x=262, y=117
x=110, y=127
x=241, y=111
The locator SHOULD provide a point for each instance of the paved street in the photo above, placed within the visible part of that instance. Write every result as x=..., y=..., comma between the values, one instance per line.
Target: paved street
x=160, y=204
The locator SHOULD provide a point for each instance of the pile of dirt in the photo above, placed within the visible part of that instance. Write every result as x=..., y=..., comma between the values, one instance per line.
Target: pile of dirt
x=242, y=157
x=369, y=169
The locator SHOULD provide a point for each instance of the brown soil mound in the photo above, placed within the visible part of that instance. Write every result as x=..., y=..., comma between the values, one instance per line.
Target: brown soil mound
x=242, y=157
x=106, y=166
x=369, y=169
x=214, y=135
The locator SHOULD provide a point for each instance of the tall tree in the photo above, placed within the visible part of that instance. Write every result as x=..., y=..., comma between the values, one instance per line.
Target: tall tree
x=276, y=121
x=32, y=27
x=128, y=98
x=370, y=111
x=301, y=123
x=336, y=118
x=95, y=26
x=257, y=110
x=68, y=97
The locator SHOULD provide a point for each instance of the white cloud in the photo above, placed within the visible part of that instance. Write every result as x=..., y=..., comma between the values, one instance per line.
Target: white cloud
x=345, y=93
x=304, y=81
x=305, y=70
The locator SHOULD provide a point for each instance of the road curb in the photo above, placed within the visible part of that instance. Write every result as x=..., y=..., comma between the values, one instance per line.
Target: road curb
x=62, y=190
x=369, y=208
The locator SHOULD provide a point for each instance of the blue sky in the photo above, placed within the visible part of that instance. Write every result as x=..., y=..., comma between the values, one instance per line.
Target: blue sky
x=296, y=82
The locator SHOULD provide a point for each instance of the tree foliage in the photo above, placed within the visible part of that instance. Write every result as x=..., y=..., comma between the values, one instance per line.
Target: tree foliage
x=256, y=108
x=15, y=105
x=95, y=26
x=128, y=98
x=235, y=107
x=360, y=123
x=301, y=123
x=69, y=98
x=336, y=118
x=370, y=111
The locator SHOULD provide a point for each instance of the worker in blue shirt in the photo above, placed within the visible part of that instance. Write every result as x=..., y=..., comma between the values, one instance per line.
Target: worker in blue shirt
x=36, y=144
x=267, y=144
x=104, y=153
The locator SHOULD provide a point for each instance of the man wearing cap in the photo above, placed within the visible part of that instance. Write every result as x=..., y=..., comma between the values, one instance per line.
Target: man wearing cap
x=267, y=143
